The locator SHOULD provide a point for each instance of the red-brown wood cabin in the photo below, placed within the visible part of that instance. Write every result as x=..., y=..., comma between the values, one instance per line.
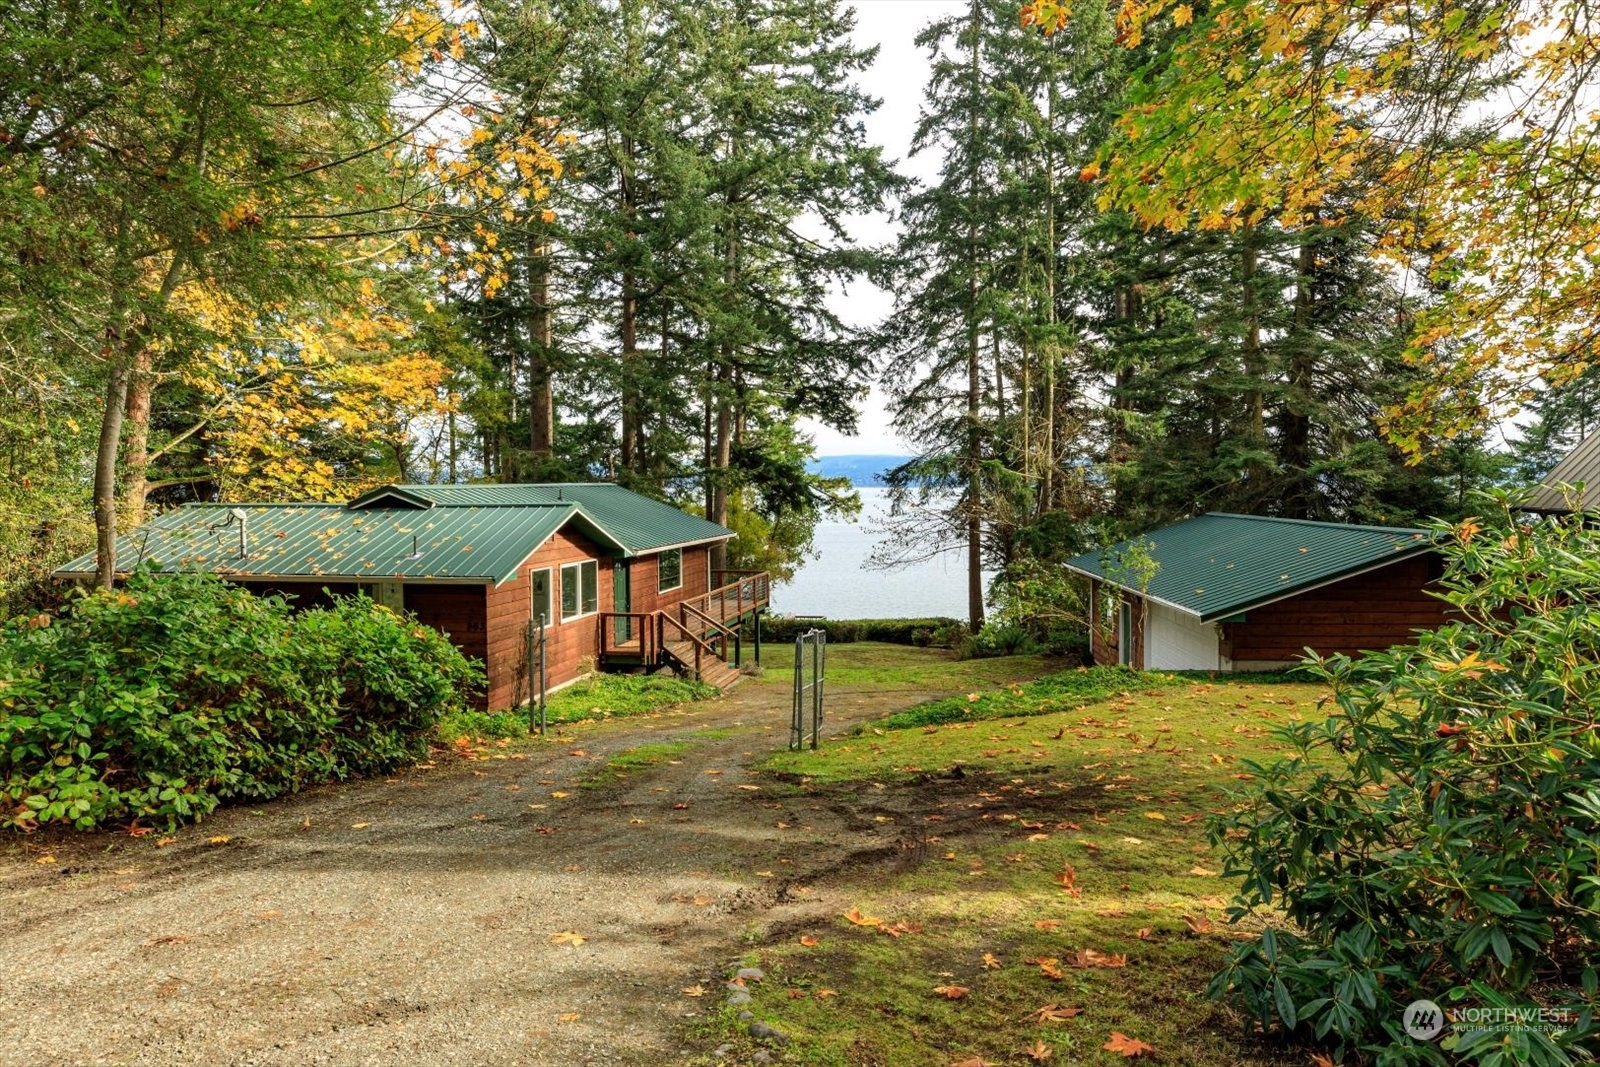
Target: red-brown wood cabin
x=1244, y=592
x=621, y=581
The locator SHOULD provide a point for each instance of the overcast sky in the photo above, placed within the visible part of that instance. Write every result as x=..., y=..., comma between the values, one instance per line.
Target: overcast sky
x=897, y=78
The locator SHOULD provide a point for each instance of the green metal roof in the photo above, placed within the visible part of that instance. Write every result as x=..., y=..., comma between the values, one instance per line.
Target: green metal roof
x=1217, y=565
x=332, y=541
x=637, y=522
x=442, y=532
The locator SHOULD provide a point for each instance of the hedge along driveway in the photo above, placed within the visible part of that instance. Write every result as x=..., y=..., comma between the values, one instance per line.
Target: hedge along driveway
x=410, y=919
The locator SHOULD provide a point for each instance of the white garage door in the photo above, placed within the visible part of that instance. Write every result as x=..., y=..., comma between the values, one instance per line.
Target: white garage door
x=1178, y=642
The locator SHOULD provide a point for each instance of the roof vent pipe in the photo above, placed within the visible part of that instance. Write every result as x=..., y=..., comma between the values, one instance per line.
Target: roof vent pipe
x=244, y=540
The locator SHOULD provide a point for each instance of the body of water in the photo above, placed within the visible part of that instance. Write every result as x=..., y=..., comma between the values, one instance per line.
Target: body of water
x=838, y=585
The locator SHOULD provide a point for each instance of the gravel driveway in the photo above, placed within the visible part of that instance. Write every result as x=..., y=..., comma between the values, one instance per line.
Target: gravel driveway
x=410, y=920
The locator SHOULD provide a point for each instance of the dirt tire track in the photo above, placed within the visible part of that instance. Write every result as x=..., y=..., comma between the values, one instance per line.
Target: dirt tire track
x=425, y=936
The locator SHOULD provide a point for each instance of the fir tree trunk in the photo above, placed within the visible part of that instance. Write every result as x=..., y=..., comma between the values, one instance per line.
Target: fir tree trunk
x=1296, y=445
x=541, y=393
x=974, y=378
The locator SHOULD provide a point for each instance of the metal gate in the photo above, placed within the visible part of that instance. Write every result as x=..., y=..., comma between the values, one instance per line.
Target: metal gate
x=530, y=680
x=810, y=674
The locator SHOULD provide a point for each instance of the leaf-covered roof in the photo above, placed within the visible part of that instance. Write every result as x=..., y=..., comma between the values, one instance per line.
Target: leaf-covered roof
x=462, y=533
x=1217, y=565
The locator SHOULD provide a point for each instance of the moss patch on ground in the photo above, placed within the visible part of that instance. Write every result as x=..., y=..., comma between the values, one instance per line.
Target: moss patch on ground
x=1038, y=885
x=603, y=696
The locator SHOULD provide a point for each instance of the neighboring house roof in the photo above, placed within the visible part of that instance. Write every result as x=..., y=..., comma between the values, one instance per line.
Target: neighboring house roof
x=415, y=532
x=1582, y=466
x=637, y=522
x=1218, y=565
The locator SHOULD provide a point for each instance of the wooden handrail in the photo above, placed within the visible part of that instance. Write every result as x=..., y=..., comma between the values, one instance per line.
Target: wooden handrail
x=699, y=645
x=727, y=631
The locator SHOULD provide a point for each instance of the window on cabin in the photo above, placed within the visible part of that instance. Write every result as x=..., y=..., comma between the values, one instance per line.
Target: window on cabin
x=539, y=581
x=580, y=589
x=591, y=586
x=669, y=567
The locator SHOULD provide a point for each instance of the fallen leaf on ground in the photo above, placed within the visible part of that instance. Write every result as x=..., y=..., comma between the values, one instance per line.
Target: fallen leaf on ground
x=824, y=994
x=696, y=990
x=991, y=962
x=1321, y=1059
x=218, y=840
x=170, y=939
x=364, y=825
x=1156, y=815
x=1055, y=1013
x=1201, y=925
x=568, y=1017
x=1201, y=872
x=165, y=841
x=567, y=937
x=954, y=992
x=1089, y=957
x=855, y=917
x=45, y=859
x=1143, y=933
x=1038, y=1051
x=1124, y=1045
x=1047, y=924
x=559, y=795
x=808, y=941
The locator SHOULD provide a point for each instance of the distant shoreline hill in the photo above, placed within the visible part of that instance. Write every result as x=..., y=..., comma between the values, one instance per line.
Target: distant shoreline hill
x=863, y=471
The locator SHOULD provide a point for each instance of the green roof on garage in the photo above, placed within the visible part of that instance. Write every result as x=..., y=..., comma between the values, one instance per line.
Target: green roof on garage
x=1216, y=565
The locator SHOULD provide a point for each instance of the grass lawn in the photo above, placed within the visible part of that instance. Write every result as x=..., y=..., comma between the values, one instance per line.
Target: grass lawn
x=1051, y=885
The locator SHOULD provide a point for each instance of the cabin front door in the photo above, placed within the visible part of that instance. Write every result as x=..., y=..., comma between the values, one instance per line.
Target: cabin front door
x=621, y=598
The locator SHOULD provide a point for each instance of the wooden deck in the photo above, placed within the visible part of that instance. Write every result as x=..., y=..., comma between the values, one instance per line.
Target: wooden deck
x=699, y=635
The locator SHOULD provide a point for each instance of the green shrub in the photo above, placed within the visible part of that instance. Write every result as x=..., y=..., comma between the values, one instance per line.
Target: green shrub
x=390, y=677
x=1042, y=696
x=160, y=700
x=1437, y=835
x=924, y=633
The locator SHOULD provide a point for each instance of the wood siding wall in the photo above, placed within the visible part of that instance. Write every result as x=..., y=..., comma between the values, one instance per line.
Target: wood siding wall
x=1360, y=614
x=645, y=574
x=454, y=610
x=510, y=606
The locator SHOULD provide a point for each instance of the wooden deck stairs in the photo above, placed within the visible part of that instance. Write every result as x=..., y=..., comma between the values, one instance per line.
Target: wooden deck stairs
x=713, y=671
x=698, y=637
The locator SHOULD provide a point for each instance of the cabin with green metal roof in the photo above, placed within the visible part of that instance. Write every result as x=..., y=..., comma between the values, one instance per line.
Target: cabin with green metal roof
x=1245, y=592
x=540, y=582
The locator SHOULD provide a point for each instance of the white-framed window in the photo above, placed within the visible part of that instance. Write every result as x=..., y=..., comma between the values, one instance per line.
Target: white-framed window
x=580, y=589
x=669, y=570
x=540, y=593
